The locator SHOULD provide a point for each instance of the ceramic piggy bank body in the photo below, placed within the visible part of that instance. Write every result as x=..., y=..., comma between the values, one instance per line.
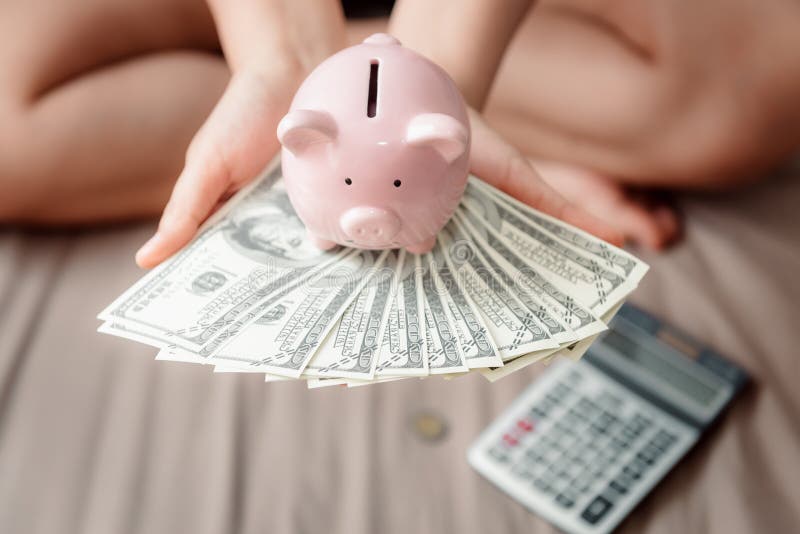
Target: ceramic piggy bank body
x=376, y=148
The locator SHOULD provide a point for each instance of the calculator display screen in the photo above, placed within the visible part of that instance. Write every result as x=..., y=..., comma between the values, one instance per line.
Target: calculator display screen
x=679, y=379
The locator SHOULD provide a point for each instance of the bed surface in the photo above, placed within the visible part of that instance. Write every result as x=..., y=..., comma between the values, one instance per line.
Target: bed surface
x=97, y=437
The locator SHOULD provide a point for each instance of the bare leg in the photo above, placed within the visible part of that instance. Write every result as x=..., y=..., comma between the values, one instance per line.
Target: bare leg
x=98, y=102
x=94, y=126
x=677, y=94
x=641, y=94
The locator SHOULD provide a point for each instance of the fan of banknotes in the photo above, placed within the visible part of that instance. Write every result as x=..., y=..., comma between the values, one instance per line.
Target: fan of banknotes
x=504, y=287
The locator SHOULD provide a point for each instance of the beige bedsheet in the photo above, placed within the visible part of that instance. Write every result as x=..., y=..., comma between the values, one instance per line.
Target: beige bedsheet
x=96, y=437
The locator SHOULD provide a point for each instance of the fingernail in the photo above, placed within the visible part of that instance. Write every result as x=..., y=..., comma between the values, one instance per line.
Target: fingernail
x=147, y=249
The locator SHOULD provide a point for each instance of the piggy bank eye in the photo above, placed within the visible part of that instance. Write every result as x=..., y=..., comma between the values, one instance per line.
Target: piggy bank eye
x=398, y=183
x=348, y=181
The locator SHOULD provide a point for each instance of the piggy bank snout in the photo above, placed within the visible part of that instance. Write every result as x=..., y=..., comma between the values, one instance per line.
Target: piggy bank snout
x=370, y=225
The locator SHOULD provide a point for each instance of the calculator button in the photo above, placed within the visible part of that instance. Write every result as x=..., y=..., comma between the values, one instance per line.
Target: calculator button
x=569, y=441
x=573, y=470
x=599, y=470
x=663, y=440
x=561, y=391
x=640, y=423
x=618, y=487
x=564, y=500
x=642, y=462
x=582, y=485
x=498, y=454
x=629, y=434
x=560, y=485
x=538, y=413
x=550, y=455
x=573, y=377
x=597, y=509
x=526, y=425
x=577, y=415
x=624, y=480
x=607, y=400
x=522, y=471
x=551, y=490
x=619, y=444
x=533, y=455
x=634, y=469
x=648, y=455
x=606, y=419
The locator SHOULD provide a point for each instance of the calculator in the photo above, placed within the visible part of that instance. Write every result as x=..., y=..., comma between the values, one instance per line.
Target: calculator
x=588, y=440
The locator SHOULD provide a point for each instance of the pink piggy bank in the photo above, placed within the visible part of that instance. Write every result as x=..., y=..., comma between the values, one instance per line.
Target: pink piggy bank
x=376, y=148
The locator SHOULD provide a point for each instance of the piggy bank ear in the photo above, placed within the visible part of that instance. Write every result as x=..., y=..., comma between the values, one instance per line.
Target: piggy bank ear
x=304, y=128
x=441, y=132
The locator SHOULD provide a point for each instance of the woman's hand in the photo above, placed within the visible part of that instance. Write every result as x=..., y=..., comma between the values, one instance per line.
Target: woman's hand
x=497, y=162
x=271, y=46
x=642, y=217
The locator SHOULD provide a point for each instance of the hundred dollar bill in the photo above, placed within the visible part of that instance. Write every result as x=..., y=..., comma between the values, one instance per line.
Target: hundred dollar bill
x=287, y=333
x=403, y=349
x=441, y=344
x=569, y=311
x=276, y=302
x=514, y=328
x=474, y=339
x=583, y=277
x=351, y=349
x=256, y=249
x=611, y=257
x=573, y=352
x=556, y=329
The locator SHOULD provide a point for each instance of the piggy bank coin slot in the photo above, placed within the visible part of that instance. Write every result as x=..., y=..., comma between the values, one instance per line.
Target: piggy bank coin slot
x=372, y=97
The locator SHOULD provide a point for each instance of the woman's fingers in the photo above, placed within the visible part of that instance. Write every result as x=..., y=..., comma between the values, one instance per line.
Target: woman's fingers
x=500, y=164
x=654, y=225
x=196, y=192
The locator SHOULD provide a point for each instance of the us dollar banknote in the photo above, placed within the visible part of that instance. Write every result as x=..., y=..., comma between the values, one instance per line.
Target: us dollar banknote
x=570, y=269
x=504, y=287
x=351, y=349
x=611, y=257
x=444, y=352
x=403, y=348
x=257, y=249
x=476, y=343
x=289, y=332
x=562, y=304
x=556, y=330
x=514, y=328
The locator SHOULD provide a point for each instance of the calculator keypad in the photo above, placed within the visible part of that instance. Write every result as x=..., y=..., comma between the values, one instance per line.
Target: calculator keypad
x=584, y=446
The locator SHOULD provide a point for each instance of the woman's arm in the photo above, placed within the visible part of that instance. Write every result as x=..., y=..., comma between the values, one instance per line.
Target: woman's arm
x=466, y=37
x=278, y=35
